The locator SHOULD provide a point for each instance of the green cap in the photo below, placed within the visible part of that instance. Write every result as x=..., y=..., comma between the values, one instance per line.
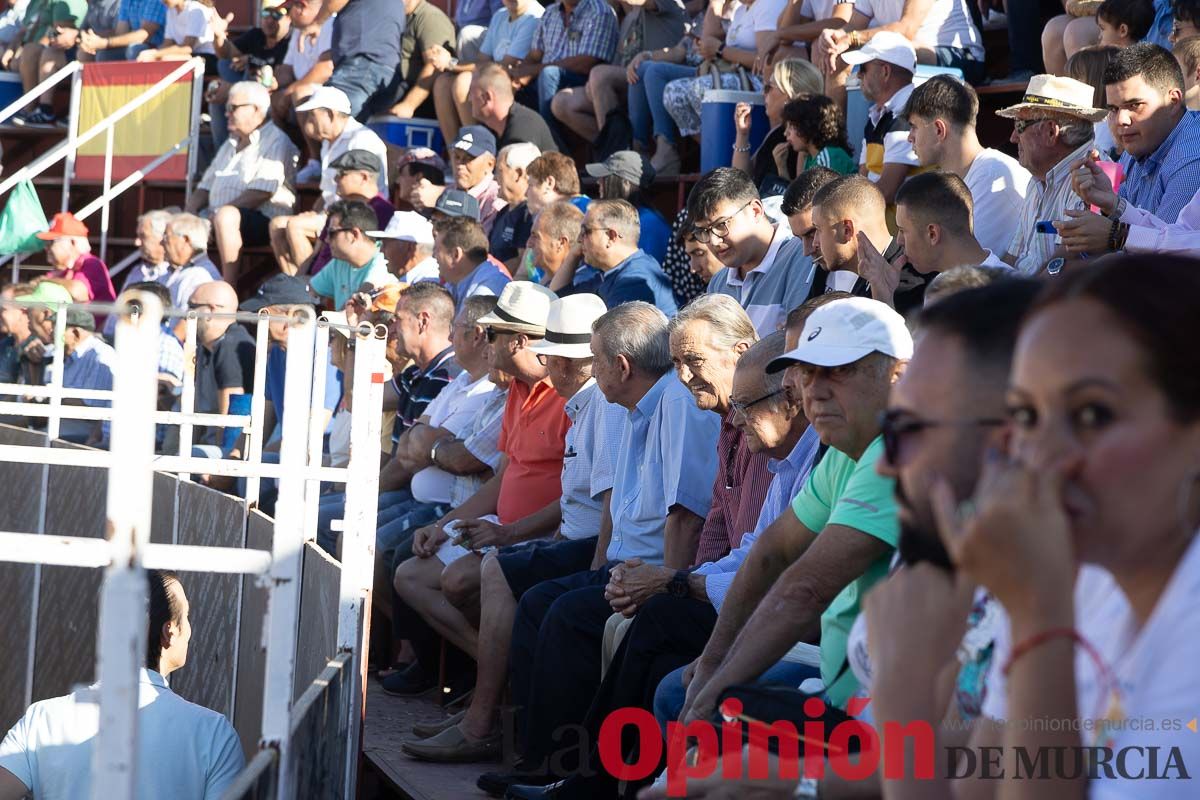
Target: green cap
x=46, y=292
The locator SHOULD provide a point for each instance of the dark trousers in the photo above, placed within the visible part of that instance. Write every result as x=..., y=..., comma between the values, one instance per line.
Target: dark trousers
x=666, y=634
x=554, y=663
x=1026, y=19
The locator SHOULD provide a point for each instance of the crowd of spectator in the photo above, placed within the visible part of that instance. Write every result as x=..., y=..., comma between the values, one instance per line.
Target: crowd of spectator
x=882, y=412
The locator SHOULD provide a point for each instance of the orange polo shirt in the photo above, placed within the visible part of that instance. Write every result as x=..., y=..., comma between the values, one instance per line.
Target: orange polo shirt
x=533, y=435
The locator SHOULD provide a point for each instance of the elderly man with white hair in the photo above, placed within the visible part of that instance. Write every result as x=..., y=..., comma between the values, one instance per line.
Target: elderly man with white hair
x=250, y=180
x=185, y=244
x=513, y=225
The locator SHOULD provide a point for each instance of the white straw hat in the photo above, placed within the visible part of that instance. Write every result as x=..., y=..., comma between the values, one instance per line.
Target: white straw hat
x=569, y=326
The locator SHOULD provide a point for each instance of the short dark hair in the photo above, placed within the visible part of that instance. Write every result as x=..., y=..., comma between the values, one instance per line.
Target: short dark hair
x=614, y=187
x=1137, y=15
x=464, y=233
x=799, y=315
x=354, y=214
x=1153, y=298
x=431, y=297
x=800, y=192
x=152, y=287
x=164, y=607
x=1185, y=11
x=986, y=320
x=946, y=98
x=940, y=197
x=1155, y=64
x=419, y=169
x=723, y=183
x=819, y=120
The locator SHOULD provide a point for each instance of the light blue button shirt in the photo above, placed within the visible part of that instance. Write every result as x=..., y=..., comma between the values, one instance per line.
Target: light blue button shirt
x=486, y=280
x=90, y=366
x=790, y=474
x=593, y=441
x=780, y=282
x=185, y=751
x=511, y=37
x=667, y=458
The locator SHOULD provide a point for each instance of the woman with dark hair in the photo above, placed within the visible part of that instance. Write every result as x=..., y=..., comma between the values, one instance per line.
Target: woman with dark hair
x=815, y=132
x=656, y=233
x=1086, y=531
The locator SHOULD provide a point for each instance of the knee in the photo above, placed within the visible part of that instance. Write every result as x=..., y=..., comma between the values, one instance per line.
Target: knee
x=460, y=583
x=462, y=86
x=1079, y=34
x=559, y=105
x=278, y=225
x=491, y=576
x=227, y=218
x=405, y=577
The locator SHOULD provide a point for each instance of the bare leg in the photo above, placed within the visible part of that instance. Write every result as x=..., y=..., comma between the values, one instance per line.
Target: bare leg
x=443, y=104
x=1081, y=32
x=52, y=60
x=495, y=639
x=460, y=584
x=27, y=64
x=302, y=232
x=462, y=88
x=573, y=108
x=1053, y=51
x=279, y=245
x=607, y=87
x=227, y=223
x=419, y=583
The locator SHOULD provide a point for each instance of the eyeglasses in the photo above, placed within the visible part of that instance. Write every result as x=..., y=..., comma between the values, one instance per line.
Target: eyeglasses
x=543, y=359
x=274, y=13
x=742, y=408
x=896, y=424
x=720, y=227
x=493, y=333
x=232, y=107
x=193, y=306
x=1022, y=125
x=584, y=230
x=335, y=231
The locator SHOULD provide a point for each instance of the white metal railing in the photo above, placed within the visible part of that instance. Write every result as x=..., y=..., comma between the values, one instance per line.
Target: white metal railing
x=69, y=147
x=127, y=552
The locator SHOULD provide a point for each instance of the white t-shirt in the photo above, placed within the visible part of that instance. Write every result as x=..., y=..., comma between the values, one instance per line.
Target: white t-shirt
x=948, y=23
x=355, y=136
x=185, y=751
x=819, y=9
x=302, y=63
x=1155, y=667
x=998, y=183
x=194, y=19
x=453, y=409
x=994, y=260
x=762, y=15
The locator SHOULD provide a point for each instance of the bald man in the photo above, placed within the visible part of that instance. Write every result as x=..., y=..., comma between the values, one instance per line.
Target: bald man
x=850, y=215
x=493, y=105
x=224, y=359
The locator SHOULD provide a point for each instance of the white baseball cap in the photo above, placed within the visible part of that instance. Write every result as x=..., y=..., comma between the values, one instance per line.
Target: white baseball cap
x=329, y=97
x=523, y=307
x=843, y=331
x=886, y=46
x=569, y=326
x=406, y=226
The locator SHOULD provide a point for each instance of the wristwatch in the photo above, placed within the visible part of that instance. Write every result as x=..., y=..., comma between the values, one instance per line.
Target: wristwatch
x=1119, y=209
x=720, y=49
x=434, y=449
x=678, y=585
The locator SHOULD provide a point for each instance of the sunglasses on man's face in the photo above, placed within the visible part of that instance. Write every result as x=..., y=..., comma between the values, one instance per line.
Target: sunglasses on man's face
x=274, y=13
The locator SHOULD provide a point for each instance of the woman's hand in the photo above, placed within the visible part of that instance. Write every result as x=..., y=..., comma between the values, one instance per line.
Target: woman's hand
x=741, y=121
x=782, y=153
x=708, y=46
x=631, y=72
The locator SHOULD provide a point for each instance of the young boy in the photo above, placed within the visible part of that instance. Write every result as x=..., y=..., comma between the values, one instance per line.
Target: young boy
x=1124, y=22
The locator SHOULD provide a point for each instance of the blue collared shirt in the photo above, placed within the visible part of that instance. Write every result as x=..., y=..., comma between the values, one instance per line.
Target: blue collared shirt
x=780, y=282
x=593, y=441
x=1166, y=180
x=90, y=366
x=638, y=277
x=790, y=474
x=667, y=458
x=486, y=279
x=592, y=31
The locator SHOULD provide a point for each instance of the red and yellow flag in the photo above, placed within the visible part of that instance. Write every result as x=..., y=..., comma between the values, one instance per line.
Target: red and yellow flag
x=143, y=135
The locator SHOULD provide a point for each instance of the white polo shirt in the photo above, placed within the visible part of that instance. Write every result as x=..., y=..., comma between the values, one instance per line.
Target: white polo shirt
x=185, y=751
x=454, y=409
x=998, y=184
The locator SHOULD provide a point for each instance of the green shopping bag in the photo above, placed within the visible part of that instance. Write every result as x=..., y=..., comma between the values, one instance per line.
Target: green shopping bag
x=20, y=221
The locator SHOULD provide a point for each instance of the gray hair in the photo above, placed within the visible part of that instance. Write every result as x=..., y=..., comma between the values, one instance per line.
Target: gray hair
x=423, y=250
x=158, y=219
x=193, y=228
x=254, y=93
x=619, y=215
x=729, y=322
x=477, y=306
x=761, y=353
x=637, y=331
x=518, y=155
x=1076, y=133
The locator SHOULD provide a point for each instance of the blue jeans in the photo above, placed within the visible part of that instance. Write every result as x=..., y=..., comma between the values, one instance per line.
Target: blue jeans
x=367, y=83
x=647, y=113
x=549, y=81
x=333, y=506
x=668, y=699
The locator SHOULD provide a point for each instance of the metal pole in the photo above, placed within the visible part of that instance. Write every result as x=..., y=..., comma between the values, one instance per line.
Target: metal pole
x=121, y=639
x=53, y=424
x=72, y=135
x=283, y=607
x=316, y=429
x=258, y=408
x=194, y=130
x=108, y=157
x=187, y=400
x=358, y=535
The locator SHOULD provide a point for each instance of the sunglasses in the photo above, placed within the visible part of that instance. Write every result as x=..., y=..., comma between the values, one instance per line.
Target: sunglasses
x=274, y=13
x=895, y=425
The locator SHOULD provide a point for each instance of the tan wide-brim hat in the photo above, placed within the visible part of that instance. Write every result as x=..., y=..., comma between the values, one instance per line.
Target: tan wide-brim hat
x=569, y=326
x=1050, y=95
x=522, y=307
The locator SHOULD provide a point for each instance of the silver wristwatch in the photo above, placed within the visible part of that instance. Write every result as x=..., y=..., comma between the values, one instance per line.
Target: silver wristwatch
x=434, y=449
x=807, y=789
x=1119, y=209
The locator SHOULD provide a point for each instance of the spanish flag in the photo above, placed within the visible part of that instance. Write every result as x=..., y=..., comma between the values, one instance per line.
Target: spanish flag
x=147, y=132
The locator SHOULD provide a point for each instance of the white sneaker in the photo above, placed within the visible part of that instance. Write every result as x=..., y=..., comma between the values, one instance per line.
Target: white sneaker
x=310, y=172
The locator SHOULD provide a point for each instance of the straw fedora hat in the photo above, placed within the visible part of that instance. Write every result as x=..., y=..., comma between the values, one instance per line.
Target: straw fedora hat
x=1050, y=95
x=522, y=308
x=569, y=326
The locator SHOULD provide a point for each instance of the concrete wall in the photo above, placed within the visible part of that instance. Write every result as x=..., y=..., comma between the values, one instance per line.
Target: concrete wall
x=226, y=658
